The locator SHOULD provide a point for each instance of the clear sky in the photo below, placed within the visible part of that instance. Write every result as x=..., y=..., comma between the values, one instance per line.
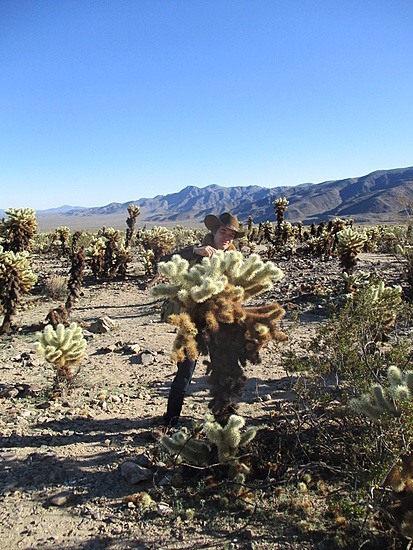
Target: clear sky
x=114, y=100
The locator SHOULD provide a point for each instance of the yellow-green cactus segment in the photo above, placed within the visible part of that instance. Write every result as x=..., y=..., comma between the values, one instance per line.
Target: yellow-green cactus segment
x=228, y=439
x=187, y=448
x=63, y=346
x=209, y=278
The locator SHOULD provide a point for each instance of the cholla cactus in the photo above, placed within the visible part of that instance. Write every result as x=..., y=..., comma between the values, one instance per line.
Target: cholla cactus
x=108, y=255
x=385, y=301
x=16, y=278
x=355, y=281
x=61, y=240
x=280, y=206
x=185, y=236
x=266, y=233
x=386, y=401
x=96, y=253
x=63, y=348
x=213, y=318
x=17, y=231
x=228, y=439
x=407, y=252
x=159, y=241
x=350, y=243
x=184, y=446
x=133, y=211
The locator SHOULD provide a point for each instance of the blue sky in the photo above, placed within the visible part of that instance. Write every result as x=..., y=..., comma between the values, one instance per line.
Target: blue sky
x=114, y=100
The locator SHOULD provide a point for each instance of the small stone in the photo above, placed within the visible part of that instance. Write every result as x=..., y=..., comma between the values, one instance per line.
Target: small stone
x=163, y=509
x=9, y=392
x=102, y=325
x=135, y=473
x=146, y=358
x=62, y=498
x=44, y=405
x=134, y=348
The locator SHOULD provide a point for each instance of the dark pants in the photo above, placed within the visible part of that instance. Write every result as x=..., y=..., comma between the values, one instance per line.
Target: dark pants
x=178, y=390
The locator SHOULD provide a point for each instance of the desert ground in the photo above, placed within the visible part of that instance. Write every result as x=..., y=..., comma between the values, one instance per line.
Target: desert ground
x=75, y=464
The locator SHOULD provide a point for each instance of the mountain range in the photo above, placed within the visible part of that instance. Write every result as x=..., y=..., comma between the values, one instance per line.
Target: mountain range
x=382, y=196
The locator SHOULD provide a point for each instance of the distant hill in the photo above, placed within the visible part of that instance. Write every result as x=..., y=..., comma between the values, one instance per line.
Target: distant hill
x=379, y=197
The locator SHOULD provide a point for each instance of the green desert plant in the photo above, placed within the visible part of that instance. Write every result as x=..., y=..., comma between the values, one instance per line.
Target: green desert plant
x=16, y=278
x=184, y=446
x=228, y=439
x=63, y=348
x=349, y=344
x=406, y=251
x=281, y=235
x=17, y=231
x=213, y=319
x=391, y=406
x=280, y=206
x=78, y=259
x=185, y=236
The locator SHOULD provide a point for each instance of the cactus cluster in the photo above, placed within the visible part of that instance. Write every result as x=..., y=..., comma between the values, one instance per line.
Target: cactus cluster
x=108, y=255
x=61, y=314
x=63, y=348
x=18, y=229
x=214, y=320
x=60, y=240
x=153, y=244
x=16, y=278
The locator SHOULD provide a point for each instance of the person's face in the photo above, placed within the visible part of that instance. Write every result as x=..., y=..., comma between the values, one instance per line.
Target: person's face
x=223, y=238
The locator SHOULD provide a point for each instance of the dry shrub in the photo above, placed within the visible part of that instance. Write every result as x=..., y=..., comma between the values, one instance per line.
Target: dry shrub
x=56, y=287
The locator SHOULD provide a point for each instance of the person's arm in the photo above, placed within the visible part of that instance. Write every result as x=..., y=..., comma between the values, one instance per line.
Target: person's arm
x=187, y=253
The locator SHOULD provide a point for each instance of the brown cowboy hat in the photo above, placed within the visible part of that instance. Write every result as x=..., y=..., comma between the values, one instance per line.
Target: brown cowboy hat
x=227, y=220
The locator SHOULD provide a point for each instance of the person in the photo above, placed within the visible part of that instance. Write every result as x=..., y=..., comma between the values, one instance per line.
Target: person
x=223, y=230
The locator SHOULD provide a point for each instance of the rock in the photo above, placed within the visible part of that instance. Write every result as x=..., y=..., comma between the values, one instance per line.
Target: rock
x=9, y=392
x=146, y=358
x=135, y=473
x=62, y=499
x=163, y=509
x=134, y=348
x=102, y=325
